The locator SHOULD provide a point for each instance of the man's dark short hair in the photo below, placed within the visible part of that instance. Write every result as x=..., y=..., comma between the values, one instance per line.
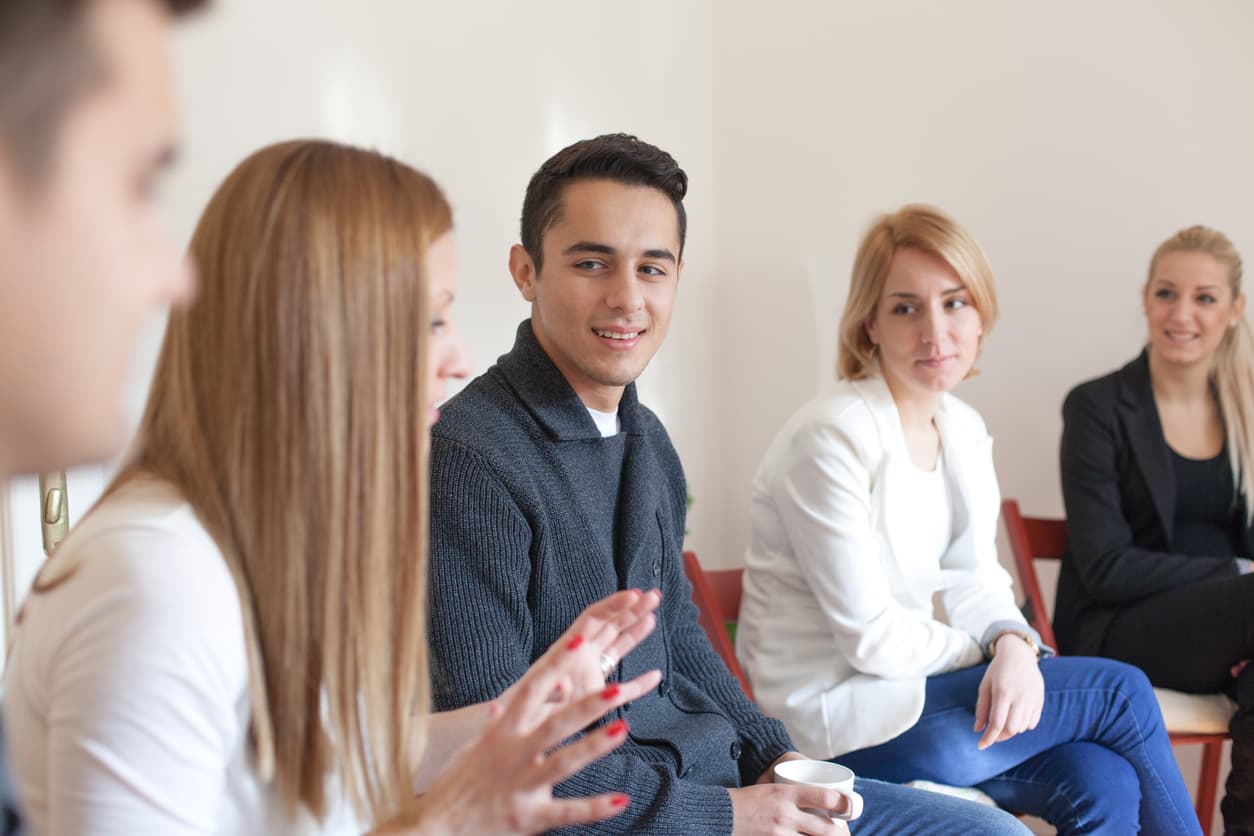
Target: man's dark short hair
x=47, y=61
x=619, y=157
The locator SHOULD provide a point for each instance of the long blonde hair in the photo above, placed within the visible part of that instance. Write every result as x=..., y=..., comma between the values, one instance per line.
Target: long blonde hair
x=915, y=226
x=1232, y=368
x=288, y=408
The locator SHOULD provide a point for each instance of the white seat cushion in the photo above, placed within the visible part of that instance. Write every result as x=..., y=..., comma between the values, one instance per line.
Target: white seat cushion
x=1195, y=713
x=965, y=793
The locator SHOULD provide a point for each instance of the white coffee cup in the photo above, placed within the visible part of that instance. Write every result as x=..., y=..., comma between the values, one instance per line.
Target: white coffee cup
x=829, y=776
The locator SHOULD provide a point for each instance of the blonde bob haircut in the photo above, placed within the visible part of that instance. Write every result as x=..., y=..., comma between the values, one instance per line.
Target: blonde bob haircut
x=1232, y=367
x=287, y=408
x=915, y=226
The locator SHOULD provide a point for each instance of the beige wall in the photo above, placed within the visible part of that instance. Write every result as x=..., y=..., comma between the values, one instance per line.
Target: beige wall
x=478, y=94
x=1070, y=137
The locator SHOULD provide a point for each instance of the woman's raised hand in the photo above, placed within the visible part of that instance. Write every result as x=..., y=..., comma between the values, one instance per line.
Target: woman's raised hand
x=502, y=781
x=589, y=652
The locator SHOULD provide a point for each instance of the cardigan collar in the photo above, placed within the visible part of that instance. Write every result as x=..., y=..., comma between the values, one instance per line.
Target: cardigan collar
x=544, y=390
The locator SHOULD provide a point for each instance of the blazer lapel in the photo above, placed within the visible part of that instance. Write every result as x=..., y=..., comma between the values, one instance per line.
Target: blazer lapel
x=1139, y=415
x=891, y=497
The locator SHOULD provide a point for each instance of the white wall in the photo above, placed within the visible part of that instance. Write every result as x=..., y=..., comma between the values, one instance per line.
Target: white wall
x=478, y=94
x=1070, y=137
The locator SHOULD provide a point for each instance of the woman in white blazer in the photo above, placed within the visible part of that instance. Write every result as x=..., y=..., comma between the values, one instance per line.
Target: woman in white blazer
x=874, y=513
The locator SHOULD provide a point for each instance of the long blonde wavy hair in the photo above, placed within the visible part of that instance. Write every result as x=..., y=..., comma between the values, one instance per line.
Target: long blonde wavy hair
x=288, y=409
x=1232, y=367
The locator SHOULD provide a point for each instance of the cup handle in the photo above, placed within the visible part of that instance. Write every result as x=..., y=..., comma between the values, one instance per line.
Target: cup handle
x=855, y=805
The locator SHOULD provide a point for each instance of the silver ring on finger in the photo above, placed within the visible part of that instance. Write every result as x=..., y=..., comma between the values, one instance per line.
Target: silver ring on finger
x=607, y=666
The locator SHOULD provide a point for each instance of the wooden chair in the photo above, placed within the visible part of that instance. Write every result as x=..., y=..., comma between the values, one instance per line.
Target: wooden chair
x=1190, y=718
x=717, y=596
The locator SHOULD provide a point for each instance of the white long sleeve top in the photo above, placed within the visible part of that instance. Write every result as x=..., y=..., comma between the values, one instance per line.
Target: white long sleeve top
x=126, y=700
x=837, y=626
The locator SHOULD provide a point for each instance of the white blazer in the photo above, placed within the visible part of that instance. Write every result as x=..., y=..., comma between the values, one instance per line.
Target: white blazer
x=837, y=631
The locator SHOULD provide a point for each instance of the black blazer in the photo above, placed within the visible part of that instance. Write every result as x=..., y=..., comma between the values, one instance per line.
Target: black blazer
x=1119, y=490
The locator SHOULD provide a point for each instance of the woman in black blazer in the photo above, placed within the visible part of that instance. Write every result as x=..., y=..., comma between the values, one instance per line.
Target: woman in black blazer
x=1157, y=567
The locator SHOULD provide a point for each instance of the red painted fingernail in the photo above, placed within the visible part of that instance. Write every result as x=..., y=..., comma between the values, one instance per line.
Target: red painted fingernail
x=620, y=800
x=610, y=693
x=574, y=643
x=616, y=728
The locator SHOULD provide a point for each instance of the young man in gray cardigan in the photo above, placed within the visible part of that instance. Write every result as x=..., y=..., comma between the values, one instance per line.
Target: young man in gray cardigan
x=552, y=487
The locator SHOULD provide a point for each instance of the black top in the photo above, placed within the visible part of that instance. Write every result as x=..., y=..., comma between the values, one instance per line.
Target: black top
x=1120, y=491
x=1206, y=523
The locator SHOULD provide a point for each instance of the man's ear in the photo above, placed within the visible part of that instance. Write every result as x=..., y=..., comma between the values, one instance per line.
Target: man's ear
x=523, y=269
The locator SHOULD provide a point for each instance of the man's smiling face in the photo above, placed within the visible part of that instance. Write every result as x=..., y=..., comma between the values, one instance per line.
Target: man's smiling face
x=601, y=304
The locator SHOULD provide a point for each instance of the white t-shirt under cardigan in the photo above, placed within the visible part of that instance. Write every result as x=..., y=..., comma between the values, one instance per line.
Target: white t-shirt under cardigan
x=837, y=629
x=126, y=700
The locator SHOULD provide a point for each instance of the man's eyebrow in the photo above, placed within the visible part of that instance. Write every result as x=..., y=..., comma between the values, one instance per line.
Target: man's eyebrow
x=589, y=247
x=604, y=249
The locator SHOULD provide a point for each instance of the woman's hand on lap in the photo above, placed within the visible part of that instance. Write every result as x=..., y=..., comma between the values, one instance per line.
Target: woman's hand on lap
x=1012, y=692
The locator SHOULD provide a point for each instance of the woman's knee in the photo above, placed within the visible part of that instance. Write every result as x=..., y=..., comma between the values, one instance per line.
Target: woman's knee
x=1091, y=672
x=1104, y=697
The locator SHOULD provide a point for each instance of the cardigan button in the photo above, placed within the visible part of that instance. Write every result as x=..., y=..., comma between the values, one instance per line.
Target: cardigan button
x=663, y=688
x=657, y=567
x=735, y=751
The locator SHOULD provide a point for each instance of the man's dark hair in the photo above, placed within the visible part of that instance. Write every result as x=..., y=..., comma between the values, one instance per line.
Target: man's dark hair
x=618, y=157
x=47, y=61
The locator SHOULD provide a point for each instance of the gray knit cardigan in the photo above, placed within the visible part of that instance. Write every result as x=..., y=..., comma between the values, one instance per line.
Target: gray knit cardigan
x=514, y=561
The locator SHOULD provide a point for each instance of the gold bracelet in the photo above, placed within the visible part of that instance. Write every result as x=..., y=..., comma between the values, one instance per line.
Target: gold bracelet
x=1027, y=638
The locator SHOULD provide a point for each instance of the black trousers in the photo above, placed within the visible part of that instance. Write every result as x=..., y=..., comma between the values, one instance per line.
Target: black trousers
x=1188, y=639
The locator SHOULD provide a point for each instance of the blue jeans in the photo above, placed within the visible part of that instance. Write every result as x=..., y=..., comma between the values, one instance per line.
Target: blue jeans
x=892, y=810
x=1098, y=762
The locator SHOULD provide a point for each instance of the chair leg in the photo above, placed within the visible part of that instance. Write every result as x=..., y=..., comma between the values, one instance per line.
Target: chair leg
x=1208, y=784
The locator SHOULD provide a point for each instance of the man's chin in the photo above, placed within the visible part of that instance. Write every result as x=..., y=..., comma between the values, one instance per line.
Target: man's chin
x=618, y=377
